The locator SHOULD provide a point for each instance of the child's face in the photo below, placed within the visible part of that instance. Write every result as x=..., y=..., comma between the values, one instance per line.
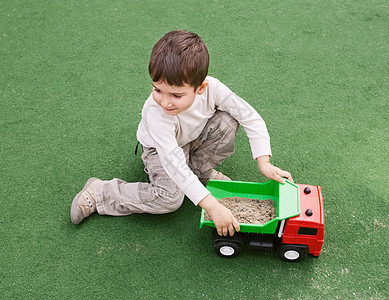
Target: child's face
x=175, y=99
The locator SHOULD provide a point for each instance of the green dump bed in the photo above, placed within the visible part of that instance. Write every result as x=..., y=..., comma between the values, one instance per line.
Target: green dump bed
x=285, y=197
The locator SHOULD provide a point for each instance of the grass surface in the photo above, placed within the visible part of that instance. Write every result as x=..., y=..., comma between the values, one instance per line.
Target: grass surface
x=73, y=81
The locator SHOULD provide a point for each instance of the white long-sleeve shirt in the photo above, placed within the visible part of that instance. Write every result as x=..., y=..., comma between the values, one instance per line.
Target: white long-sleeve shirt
x=169, y=133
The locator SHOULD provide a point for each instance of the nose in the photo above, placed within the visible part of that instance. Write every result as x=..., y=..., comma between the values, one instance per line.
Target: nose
x=165, y=102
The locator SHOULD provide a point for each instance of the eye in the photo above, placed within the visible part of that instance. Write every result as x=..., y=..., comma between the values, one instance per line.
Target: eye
x=177, y=96
x=157, y=90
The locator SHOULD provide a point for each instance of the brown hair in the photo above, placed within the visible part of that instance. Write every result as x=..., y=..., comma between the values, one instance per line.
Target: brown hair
x=179, y=57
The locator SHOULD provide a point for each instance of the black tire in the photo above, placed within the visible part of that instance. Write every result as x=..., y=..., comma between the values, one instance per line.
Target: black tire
x=227, y=249
x=291, y=253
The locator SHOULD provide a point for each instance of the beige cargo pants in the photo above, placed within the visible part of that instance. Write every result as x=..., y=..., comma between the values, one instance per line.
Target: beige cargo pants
x=119, y=198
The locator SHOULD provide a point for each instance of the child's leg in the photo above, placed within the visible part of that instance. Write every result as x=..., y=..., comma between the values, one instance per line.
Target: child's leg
x=215, y=143
x=161, y=195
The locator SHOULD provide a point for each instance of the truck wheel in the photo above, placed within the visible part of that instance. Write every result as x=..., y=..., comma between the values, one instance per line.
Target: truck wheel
x=291, y=253
x=227, y=249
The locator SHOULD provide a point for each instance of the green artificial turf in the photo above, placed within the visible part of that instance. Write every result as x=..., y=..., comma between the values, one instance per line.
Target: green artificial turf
x=73, y=80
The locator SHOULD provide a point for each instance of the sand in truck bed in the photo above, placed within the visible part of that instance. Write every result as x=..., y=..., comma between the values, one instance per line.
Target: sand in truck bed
x=248, y=211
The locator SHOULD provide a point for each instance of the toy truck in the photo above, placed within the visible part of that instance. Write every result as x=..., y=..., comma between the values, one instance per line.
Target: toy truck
x=296, y=231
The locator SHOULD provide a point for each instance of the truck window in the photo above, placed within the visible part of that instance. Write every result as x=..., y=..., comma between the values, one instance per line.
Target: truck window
x=307, y=231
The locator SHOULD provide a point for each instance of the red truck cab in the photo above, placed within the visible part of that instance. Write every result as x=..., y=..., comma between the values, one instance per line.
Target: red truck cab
x=308, y=227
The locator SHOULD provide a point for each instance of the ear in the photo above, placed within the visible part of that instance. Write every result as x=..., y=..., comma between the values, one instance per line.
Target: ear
x=202, y=87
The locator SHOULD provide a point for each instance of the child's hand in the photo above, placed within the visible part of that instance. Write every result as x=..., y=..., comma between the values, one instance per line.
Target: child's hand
x=222, y=217
x=272, y=172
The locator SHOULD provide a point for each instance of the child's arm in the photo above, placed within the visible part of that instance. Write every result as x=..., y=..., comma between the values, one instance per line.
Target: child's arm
x=222, y=217
x=272, y=172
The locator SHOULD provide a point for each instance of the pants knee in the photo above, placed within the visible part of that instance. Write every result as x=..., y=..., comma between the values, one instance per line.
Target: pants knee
x=226, y=123
x=231, y=122
x=170, y=199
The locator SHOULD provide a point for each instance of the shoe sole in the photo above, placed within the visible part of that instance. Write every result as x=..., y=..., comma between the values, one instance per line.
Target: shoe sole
x=74, y=208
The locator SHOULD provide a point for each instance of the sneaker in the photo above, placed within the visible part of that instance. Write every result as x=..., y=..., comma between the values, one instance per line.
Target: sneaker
x=218, y=175
x=214, y=175
x=84, y=203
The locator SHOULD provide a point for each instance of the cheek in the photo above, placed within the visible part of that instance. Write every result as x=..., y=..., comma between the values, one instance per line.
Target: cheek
x=157, y=97
x=185, y=103
x=183, y=106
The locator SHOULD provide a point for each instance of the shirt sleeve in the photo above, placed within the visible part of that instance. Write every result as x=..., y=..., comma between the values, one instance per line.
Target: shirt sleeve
x=162, y=130
x=247, y=116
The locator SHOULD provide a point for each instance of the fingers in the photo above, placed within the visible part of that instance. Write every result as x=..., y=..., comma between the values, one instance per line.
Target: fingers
x=222, y=230
x=229, y=229
x=279, y=179
x=225, y=231
x=285, y=174
x=236, y=225
x=219, y=231
x=290, y=178
x=275, y=173
x=281, y=174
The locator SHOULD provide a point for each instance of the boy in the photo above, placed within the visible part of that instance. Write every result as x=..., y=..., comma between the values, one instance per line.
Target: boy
x=188, y=128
